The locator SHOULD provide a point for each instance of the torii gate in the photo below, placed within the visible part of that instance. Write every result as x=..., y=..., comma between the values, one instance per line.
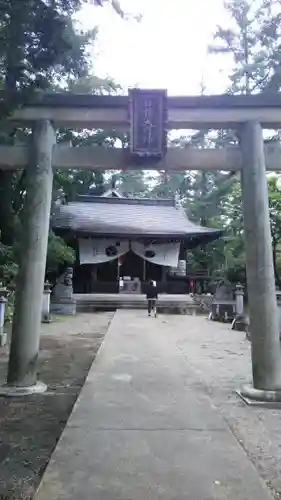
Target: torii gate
x=248, y=114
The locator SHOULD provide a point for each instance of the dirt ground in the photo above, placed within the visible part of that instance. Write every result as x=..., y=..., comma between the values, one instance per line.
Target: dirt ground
x=30, y=427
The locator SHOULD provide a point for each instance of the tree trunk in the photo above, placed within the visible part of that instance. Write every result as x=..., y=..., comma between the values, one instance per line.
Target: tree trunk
x=7, y=222
x=12, y=60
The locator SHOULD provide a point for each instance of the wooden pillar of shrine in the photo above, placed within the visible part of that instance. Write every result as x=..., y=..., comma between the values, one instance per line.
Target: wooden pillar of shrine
x=264, y=328
x=22, y=371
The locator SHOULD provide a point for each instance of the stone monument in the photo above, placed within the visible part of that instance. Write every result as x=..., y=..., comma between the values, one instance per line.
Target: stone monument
x=62, y=300
x=223, y=305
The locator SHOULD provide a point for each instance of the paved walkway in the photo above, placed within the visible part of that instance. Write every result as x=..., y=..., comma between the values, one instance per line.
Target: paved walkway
x=142, y=429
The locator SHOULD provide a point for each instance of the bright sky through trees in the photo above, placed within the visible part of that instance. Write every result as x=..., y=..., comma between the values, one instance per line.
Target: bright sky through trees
x=168, y=49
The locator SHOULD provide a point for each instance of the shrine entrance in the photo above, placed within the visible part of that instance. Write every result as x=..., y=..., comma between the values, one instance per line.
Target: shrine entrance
x=132, y=266
x=147, y=115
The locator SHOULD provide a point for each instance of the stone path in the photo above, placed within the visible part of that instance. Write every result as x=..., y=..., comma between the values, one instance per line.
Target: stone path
x=144, y=426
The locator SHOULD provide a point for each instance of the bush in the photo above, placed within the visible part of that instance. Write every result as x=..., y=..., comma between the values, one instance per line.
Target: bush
x=59, y=254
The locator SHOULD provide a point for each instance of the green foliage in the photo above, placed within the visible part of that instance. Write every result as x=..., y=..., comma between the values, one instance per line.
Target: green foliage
x=38, y=43
x=275, y=220
x=58, y=253
x=42, y=49
x=253, y=40
x=8, y=267
x=132, y=183
x=78, y=182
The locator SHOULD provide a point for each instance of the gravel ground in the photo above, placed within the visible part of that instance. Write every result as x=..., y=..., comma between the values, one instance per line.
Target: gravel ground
x=30, y=427
x=220, y=362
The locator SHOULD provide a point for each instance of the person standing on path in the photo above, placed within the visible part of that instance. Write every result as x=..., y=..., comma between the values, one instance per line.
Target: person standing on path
x=151, y=296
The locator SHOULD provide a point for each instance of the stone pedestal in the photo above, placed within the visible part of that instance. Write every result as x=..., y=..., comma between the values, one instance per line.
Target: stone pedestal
x=64, y=307
x=259, y=397
x=63, y=302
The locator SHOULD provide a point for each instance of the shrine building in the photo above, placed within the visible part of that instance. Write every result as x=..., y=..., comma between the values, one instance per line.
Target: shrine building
x=122, y=243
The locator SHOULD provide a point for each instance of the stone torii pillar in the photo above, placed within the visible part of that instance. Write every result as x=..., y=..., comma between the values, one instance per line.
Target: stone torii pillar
x=264, y=328
x=22, y=371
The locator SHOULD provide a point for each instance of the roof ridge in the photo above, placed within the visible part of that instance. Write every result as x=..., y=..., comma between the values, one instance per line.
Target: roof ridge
x=167, y=202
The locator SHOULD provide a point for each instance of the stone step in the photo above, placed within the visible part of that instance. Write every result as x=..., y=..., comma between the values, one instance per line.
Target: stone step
x=164, y=304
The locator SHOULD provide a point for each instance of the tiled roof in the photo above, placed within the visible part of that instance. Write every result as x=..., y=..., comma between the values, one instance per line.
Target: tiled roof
x=128, y=217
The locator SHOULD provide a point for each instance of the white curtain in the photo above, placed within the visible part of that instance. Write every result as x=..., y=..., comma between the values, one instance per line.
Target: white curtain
x=96, y=251
x=163, y=254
